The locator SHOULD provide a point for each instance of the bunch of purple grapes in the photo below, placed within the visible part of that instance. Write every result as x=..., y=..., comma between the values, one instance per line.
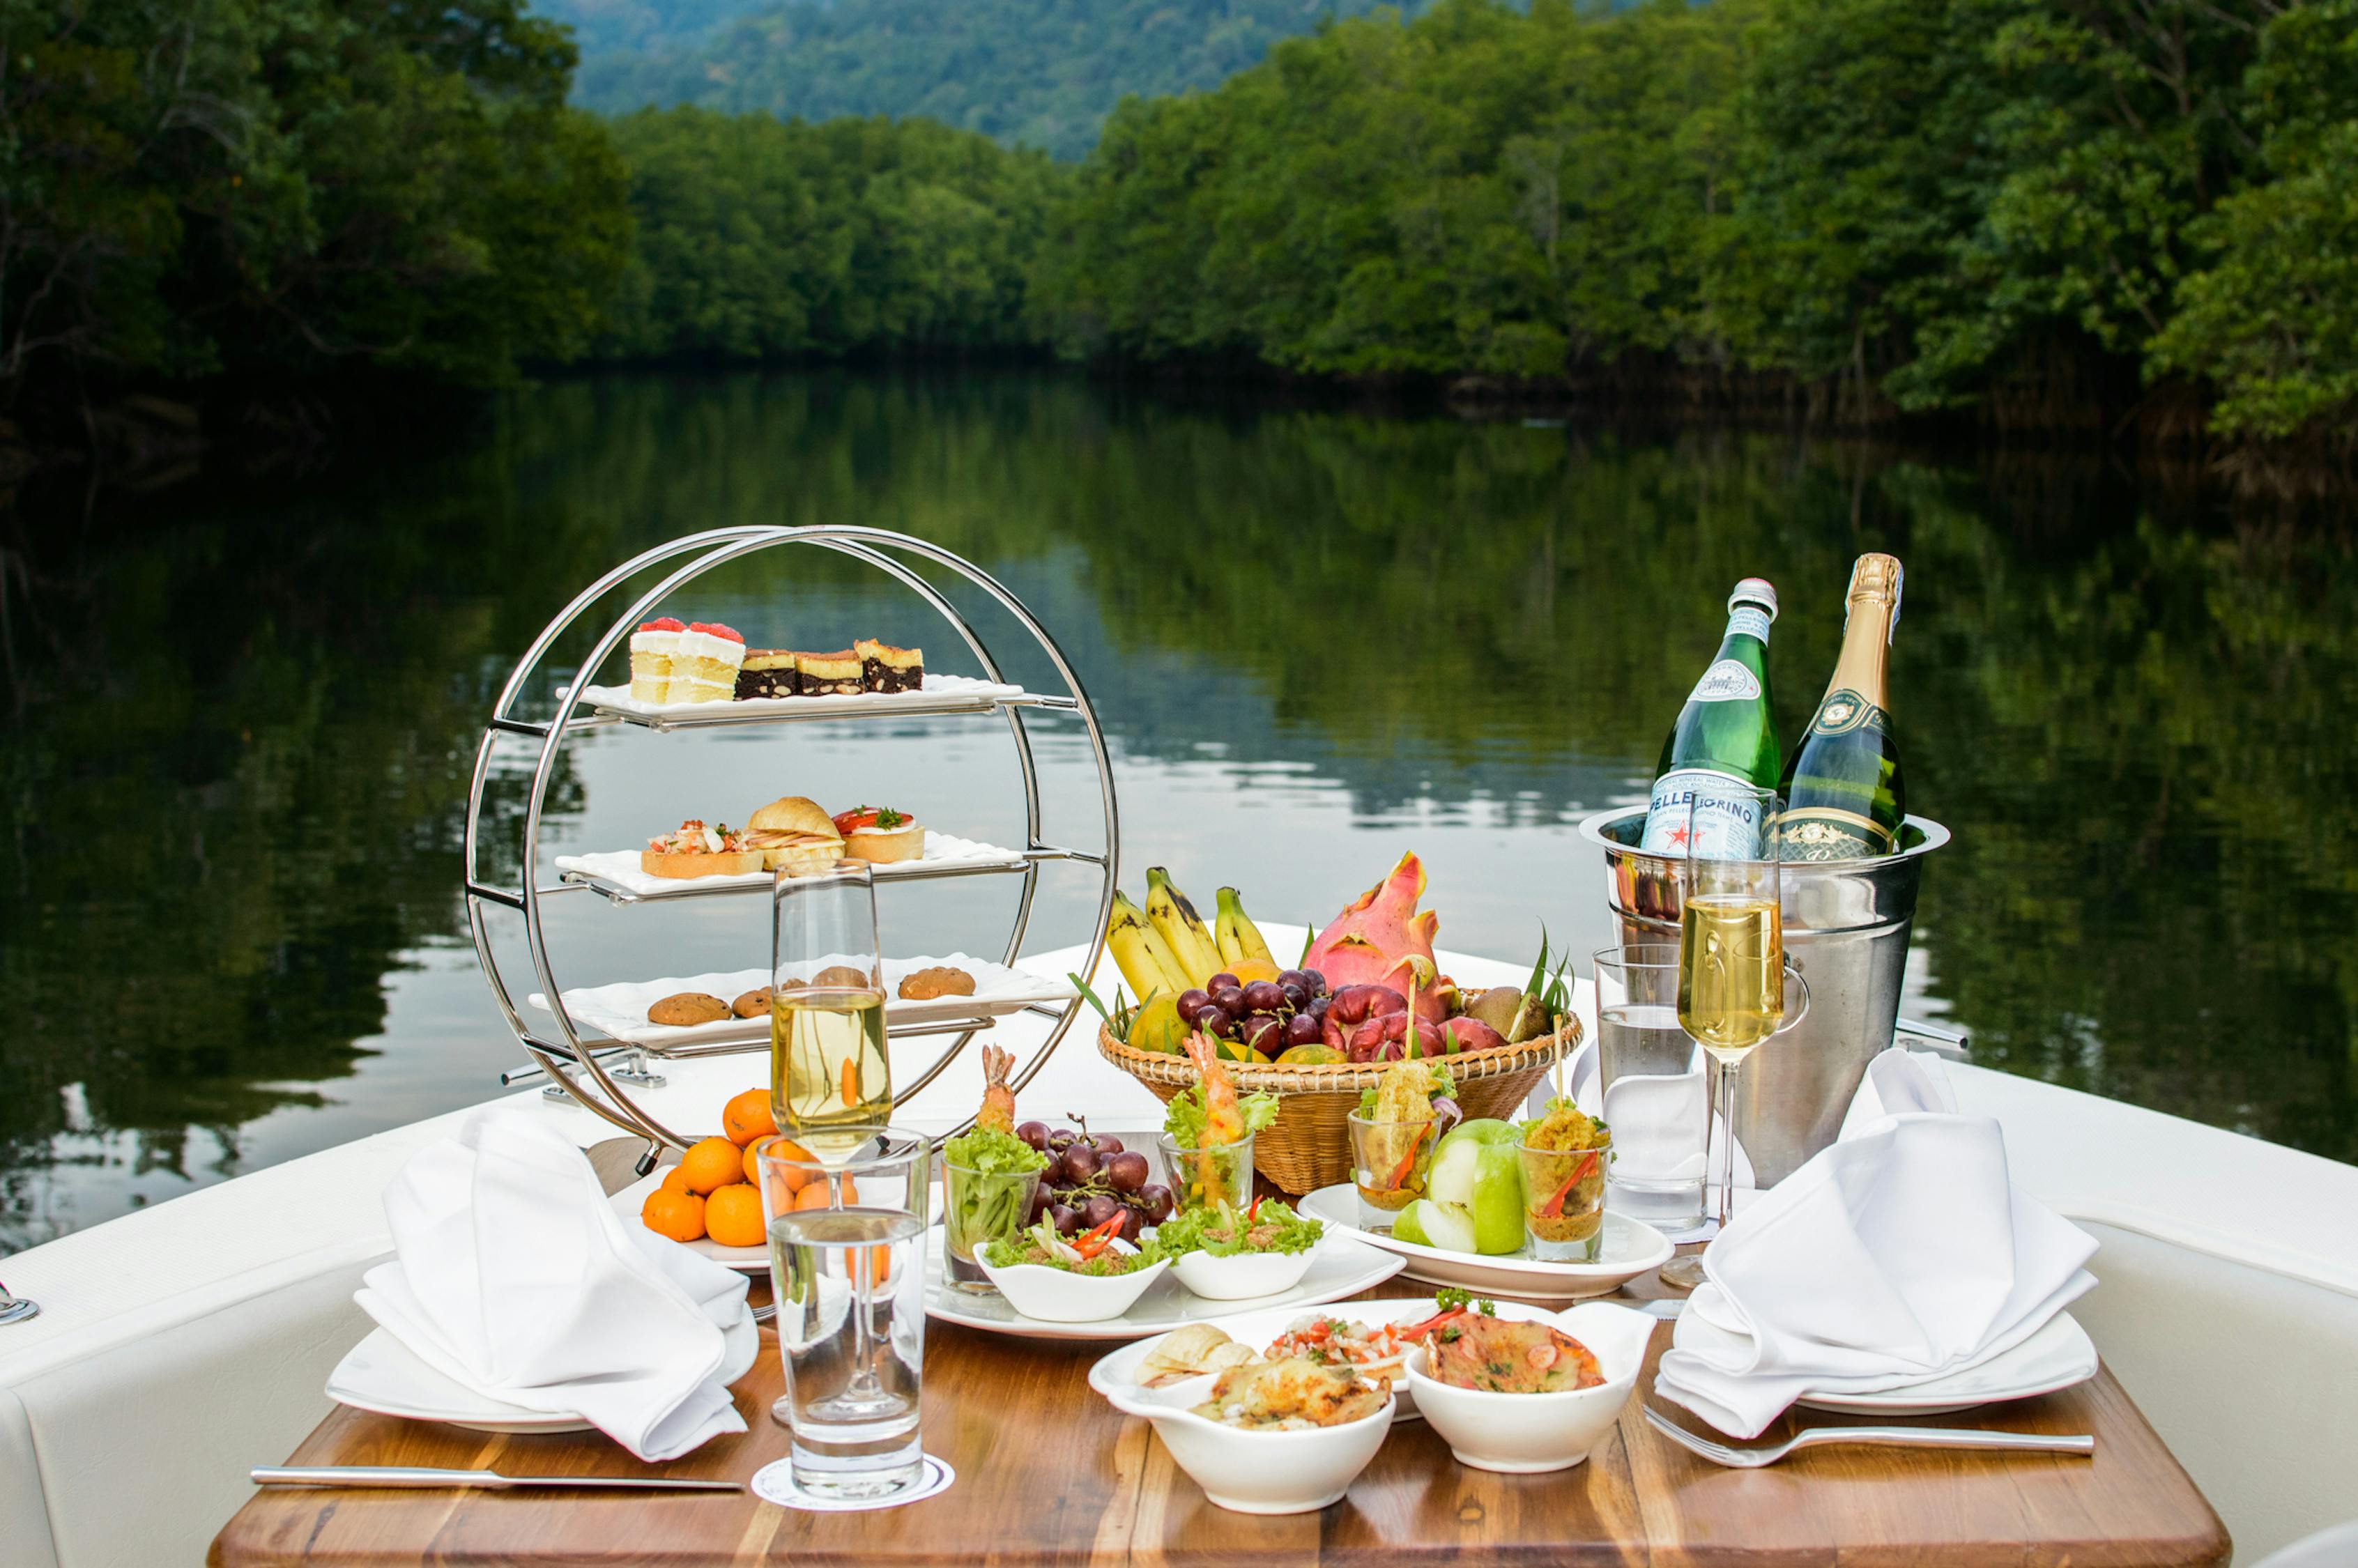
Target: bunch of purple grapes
x=1089, y=1179
x=1267, y=1016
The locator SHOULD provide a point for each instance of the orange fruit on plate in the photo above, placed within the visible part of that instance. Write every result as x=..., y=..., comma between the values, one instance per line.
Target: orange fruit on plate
x=675, y=1179
x=1248, y=970
x=732, y=1216
x=679, y=1216
x=747, y=1119
x=712, y=1164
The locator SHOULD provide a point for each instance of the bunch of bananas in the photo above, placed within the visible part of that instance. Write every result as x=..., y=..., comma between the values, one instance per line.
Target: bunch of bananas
x=1166, y=948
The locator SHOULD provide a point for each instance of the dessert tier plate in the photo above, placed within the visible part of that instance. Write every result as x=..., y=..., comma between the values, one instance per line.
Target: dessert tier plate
x=621, y=1011
x=753, y=1260
x=616, y=874
x=940, y=693
x=384, y=1376
x=2060, y=1356
x=1630, y=1250
x=1344, y=1266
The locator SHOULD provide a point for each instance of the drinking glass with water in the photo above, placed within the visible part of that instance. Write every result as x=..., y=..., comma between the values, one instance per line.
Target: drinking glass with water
x=848, y=1277
x=1651, y=1075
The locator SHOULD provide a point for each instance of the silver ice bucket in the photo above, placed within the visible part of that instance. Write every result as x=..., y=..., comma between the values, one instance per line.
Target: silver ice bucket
x=1846, y=928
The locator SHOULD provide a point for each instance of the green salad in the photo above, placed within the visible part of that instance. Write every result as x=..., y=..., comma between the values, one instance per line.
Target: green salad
x=985, y=1191
x=1185, y=1117
x=1269, y=1226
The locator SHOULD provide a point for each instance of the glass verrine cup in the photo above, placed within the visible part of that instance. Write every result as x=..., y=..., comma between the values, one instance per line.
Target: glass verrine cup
x=1389, y=1163
x=1201, y=1177
x=977, y=1208
x=849, y=1277
x=1564, y=1201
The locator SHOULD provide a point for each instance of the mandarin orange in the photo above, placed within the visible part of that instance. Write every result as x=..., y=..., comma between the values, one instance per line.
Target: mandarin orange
x=712, y=1164
x=747, y=1119
x=679, y=1216
x=732, y=1216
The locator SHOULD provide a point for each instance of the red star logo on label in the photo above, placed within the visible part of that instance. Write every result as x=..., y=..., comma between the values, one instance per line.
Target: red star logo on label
x=1679, y=837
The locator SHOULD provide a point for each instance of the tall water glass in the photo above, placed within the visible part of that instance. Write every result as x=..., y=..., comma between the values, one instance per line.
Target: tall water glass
x=1651, y=1078
x=849, y=1281
x=1732, y=973
x=831, y=1080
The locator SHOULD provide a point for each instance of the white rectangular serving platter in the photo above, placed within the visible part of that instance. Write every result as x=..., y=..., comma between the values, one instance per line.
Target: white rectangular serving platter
x=1629, y=1249
x=621, y=1010
x=940, y=693
x=615, y=873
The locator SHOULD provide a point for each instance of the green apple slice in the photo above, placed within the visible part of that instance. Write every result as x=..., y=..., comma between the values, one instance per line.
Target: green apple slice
x=1478, y=1174
x=1429, y=1224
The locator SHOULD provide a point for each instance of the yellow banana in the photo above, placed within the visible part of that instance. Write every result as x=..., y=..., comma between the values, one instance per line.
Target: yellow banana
x=1182, y=928
x=1146, y=960
x=1238, y=938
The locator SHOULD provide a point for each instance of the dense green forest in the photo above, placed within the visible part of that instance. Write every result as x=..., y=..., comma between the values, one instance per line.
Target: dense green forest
x=2044, y=214
x=1039, y=73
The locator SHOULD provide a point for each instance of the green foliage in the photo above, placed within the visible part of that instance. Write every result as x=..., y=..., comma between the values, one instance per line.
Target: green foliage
x=1038, y=73
x=284, y=185
x=758, y=238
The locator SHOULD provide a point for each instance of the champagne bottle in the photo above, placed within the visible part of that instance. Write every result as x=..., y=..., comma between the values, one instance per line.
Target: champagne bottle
x=1727, y=732
x=1843, y=799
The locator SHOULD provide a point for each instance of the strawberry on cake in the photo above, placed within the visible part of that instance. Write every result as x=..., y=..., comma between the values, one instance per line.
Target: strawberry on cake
x=654, y=646
x=705, y=668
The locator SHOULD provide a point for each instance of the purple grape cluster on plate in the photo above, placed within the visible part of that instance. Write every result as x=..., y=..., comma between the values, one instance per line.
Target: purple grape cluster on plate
x=1090, y=1178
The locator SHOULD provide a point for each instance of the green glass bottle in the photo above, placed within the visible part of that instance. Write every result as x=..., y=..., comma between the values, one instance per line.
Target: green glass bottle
x=1844, y=796
x=1726, y=731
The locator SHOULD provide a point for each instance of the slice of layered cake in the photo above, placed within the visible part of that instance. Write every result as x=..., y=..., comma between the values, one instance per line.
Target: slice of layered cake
x=652, y=647
x=827, y=674
x=705, y=668
x=884, y=668
x=767, y=672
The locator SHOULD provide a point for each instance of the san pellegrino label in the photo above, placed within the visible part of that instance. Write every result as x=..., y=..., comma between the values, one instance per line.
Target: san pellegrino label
x=1844, y=795
x=1726, y=736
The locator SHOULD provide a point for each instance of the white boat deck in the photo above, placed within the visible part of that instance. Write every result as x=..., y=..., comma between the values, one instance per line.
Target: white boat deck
x=181, y=1344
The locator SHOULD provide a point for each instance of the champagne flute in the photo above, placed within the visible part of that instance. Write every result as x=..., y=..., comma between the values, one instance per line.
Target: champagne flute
x=1732, y=970
x=830, y=1078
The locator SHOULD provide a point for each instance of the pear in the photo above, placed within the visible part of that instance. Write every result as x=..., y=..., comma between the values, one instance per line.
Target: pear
x=1496, y=1007
x=1530, y=1021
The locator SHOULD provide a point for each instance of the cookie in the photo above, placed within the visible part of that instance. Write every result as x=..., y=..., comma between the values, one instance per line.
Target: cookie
x=688, y=1008
x=842, y=977
x=924, y=984
x=752, y=1004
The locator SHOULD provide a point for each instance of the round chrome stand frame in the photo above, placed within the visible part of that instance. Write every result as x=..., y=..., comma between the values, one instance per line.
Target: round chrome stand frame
x=576, y=1067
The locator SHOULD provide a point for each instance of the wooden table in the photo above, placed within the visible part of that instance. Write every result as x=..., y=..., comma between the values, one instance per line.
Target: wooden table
x=1048, y=1473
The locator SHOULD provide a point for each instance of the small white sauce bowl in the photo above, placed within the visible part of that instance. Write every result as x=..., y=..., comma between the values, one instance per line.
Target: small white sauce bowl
x=1245, y=1275
x=1056, y=1295
x=1528, y=1433
x=1257, y=1472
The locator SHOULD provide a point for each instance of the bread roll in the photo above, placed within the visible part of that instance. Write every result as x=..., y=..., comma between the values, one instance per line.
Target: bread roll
x=793, y=814
x=728, y=864
x=885, y=846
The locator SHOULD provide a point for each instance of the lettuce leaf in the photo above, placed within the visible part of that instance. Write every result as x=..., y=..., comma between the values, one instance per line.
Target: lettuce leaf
x=1185, y=1118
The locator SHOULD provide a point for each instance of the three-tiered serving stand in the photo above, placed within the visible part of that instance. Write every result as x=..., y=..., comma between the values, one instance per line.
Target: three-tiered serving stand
x=576, y=1064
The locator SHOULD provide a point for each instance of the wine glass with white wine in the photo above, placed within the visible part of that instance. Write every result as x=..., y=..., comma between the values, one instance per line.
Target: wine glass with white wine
x=831, y=1080
x=1732, y=970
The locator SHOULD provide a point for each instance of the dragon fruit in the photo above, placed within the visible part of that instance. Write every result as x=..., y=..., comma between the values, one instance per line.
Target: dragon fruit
x=1383, y=940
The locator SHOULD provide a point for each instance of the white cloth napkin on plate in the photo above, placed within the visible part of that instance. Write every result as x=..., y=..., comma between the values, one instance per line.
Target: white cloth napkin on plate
x=1901, y=1252
x=514, y=1276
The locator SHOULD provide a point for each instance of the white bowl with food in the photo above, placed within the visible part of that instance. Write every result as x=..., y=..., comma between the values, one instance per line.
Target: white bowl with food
x=1242, y=1275
x=1069, y=1294
x=1225, y=1256
x=1551, y=1401
x=1269, y=1437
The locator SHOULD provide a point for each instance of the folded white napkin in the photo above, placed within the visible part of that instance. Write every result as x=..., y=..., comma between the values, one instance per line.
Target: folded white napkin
x=1899, y=1253
x=514, y=1276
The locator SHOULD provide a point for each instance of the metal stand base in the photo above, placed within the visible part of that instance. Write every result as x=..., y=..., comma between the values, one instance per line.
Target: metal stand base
x=16, y=1309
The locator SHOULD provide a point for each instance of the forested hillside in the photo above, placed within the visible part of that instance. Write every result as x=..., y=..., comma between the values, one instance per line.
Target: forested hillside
x=1037, y=73
x=603, y=26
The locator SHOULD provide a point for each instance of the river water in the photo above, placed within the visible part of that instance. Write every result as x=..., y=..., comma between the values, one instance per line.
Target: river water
x=244, y=713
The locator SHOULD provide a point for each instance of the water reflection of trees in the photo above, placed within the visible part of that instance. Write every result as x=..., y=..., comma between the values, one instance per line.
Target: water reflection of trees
x=236, y=777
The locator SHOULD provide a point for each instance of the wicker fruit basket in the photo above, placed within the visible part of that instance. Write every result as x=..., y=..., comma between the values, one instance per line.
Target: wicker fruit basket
x=1309, y=1145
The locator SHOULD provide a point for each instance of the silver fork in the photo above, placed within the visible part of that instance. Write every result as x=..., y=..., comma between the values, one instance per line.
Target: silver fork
x=1878, y=1436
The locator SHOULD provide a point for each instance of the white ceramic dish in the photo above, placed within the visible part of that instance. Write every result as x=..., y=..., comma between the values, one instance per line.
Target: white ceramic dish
x=1245, y=1276
x=940, y=693
x=384, y=1376
x=1257, y=1472
x=616, y=871
x=2060, y=1356
x=1343, y=1266
x=1630, y=1249
x=1526, y=1435
x=745, y=1259
x=1056, y=1295
x=621, y=1011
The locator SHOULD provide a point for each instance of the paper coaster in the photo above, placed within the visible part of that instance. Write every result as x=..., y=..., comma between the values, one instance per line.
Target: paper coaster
x=775, y=1483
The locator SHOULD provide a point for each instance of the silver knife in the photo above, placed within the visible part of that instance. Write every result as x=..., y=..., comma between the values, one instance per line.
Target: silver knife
x=489, y=1480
